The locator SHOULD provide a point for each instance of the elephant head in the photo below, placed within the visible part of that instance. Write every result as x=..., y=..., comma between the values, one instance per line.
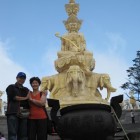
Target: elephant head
x=75, y=80
x=105, y=82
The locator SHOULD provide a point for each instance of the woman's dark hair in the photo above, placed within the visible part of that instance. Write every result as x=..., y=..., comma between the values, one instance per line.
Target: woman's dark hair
x=35, y=79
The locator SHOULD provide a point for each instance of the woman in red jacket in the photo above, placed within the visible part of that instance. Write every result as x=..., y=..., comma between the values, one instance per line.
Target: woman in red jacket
x=37, y=117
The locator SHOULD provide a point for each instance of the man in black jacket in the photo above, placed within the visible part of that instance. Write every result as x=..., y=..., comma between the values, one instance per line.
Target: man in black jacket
x=17, y=96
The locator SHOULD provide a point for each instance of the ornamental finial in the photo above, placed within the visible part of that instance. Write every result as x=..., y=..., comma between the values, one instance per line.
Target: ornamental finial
x=72, y=1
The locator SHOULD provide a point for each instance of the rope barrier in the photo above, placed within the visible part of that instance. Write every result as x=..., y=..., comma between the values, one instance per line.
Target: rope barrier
x=120, y=123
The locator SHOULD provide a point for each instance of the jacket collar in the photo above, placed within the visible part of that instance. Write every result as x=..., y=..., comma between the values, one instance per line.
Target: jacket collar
x=18, y=85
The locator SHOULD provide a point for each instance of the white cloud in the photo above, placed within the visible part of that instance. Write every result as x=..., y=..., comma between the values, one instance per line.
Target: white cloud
x=48, y=59
x=112, y=62
x=115, y=67
x=115, y=42
x=8, y=68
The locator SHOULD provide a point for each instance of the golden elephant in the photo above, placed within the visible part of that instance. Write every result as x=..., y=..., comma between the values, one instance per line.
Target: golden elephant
x=100, y=81
x=75, y=80
x=74, y=84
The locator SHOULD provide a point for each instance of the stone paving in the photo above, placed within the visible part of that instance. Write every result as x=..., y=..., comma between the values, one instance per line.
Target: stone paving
x=125, y=120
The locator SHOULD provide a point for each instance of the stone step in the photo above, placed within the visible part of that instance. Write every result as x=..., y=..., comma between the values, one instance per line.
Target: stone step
x=3, y=126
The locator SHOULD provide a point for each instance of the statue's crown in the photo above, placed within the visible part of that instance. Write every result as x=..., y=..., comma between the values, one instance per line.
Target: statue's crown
x=72, y=23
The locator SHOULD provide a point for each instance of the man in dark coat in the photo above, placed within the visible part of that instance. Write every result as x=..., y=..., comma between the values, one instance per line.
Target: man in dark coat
x=17, y=96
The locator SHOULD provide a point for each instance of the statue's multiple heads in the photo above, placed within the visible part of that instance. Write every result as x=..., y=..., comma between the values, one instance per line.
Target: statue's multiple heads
x=72, y=24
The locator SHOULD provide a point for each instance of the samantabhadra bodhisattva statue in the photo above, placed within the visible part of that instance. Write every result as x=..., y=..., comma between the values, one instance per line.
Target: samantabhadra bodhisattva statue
x=84, y=113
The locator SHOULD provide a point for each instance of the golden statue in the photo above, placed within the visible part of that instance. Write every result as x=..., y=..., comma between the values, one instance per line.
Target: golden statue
x=132, y=99
x=75, y=82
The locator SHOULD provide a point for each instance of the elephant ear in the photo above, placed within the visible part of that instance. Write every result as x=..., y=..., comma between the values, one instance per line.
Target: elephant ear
x=81, y=76
x=101, y=82
x=68, y=77
x=68, y=81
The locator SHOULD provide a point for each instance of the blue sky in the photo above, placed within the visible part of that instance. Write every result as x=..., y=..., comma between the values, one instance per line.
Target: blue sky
x=28, y=42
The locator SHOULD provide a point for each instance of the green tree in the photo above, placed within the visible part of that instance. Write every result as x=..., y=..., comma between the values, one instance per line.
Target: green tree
x=133, y=83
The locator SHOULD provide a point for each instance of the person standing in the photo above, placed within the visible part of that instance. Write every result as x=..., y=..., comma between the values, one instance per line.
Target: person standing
x=132, y=116
x=38, y=117
x=17, y=96
x=2, y=136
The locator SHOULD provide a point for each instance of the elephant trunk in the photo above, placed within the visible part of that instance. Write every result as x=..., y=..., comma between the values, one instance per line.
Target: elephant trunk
x=75, y=88
x=109, y=90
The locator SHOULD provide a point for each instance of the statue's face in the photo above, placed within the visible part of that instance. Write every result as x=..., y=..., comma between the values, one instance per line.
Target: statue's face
x=69, y=11
x=73, y=27
x=75, y=73
x=72, y=10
